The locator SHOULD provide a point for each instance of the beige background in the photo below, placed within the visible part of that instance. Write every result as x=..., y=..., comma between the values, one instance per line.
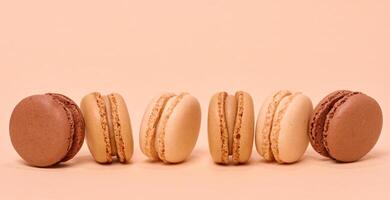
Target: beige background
x=140, y=48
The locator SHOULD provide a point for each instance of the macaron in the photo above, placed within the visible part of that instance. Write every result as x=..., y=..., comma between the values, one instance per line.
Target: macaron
x=282, y=126
x=46, y=129
x=345, y=125
x=230, y=127
x=108, y=127
x=170, y=127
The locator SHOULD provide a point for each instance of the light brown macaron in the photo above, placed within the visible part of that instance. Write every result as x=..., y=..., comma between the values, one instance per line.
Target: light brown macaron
x=108, y=127
x=170, y=127
x=282, y=127
x=230, y=127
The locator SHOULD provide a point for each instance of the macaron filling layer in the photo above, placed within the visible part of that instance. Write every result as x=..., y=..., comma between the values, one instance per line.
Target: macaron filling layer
x=237, y=127
x=104, y=125
x=224, y=134
x=110, y=125
x=230, y=112
x=116, y=128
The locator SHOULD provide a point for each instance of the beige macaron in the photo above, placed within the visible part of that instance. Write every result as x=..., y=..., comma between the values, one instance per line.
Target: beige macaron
x=108, y=127
x=230, y=127
x=282, y=127
x=170, y=127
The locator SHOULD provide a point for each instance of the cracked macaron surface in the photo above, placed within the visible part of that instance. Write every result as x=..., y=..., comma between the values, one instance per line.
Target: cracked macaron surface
x=170, y=127
x=345, y=125
x=230, y=127
x=47, y=129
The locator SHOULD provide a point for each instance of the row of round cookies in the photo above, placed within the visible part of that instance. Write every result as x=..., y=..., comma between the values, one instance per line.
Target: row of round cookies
x=49, y=129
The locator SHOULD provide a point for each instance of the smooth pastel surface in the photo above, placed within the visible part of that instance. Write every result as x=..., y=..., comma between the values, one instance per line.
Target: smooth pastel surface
x=94, y=133
x=282, y=126
x=293, y=125
x=46, y=129
x=142, y=48
x=170, y=127
x=354, y=127
x=181, y=128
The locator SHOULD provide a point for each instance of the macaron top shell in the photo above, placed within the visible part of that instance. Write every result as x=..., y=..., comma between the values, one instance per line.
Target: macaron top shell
x=170, y=127
x=289, y=138
x=178, y=128
x=42, y=129
x=352, y=127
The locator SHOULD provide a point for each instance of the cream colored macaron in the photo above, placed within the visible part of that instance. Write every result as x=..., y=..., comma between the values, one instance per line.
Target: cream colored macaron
x=170, y=127
x=230, y=127
x=282, y=127
x=108, y=127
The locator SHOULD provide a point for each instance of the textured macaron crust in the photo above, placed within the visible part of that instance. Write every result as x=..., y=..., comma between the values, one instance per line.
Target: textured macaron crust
x=317, y=122
x=230, y=127
x=170, y=127
x=282, y=127
x=108, y=127
x=345, y=125
x=47, y=129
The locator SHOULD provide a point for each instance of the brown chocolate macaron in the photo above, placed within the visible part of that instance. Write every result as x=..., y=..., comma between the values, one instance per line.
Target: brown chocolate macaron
x=47, y=129
x=345, y=125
